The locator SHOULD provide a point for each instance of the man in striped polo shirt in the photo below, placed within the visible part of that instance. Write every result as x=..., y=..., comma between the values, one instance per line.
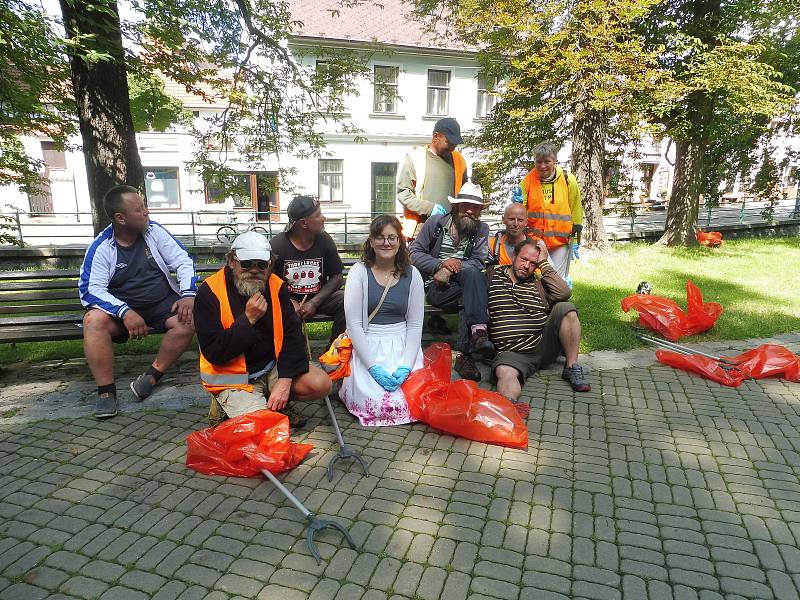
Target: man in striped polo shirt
x=530, y=320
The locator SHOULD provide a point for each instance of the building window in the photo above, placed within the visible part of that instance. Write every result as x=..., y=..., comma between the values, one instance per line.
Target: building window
x=331, y=176
x=237, y=187
x=486, y=97
x=161, y=186
x=329, y=86
x=438, y=92
x=385, y=98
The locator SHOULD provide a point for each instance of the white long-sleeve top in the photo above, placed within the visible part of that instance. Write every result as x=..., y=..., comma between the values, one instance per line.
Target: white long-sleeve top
x=355, y=309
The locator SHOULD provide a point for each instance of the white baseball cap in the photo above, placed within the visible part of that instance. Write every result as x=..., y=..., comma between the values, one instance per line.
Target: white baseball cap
x=251, y=246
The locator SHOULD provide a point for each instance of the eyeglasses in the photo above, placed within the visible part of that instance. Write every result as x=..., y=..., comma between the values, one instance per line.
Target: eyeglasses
x=382, y=239
x=261, y=265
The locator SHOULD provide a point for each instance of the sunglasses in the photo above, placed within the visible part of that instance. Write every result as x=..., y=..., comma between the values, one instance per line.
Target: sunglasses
x=261, y=265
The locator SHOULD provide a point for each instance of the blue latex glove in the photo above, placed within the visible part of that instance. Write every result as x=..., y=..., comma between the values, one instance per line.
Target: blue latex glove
x=438, y=209
x=401, y=374
x=569, y=281
x=517, y=195
x=386, y=381
x=575, y=248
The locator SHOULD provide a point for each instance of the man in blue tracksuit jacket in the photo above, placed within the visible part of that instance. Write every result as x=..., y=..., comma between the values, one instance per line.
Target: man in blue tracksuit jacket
x=128, y=290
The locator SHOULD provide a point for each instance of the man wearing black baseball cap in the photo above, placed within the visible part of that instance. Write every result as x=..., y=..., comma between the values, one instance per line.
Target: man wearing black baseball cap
x=308, y=261
x=430, y=175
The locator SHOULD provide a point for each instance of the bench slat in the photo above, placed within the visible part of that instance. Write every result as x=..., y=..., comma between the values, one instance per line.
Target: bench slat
x=38, y=334
x=10, y=322
x=39, y=308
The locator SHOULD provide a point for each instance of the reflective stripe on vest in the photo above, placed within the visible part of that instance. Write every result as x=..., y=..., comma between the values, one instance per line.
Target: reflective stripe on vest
x=553, y=222
x=411, y=219
x=233, y=374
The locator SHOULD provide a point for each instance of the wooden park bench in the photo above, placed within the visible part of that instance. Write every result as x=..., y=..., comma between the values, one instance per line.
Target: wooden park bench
x=44, y=305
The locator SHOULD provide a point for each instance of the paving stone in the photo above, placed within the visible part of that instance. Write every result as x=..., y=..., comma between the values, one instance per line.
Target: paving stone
x=83, y=587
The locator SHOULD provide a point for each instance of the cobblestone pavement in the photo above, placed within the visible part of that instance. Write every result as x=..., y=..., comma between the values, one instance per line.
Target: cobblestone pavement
x=656, y=484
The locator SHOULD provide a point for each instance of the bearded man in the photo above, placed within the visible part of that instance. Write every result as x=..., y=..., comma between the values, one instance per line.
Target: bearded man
x=252, y=351
x=450, y=252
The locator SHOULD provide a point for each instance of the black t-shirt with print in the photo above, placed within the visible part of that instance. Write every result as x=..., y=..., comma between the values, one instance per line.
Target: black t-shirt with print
x=305, y=272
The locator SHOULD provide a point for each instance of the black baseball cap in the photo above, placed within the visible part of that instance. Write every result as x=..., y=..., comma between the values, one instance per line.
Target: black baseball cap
x=450, y=129
x=301, y=207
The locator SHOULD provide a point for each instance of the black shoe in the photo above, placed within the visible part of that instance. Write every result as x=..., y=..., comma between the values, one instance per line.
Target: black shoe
x=482, y=346
x=106, y=406
x=574, y=375
x=143, y=386
x=296, y=420
x=438, y=325
x=466, y=368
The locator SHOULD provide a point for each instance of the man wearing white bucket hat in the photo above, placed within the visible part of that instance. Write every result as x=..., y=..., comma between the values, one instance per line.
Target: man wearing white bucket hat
x=450, y=252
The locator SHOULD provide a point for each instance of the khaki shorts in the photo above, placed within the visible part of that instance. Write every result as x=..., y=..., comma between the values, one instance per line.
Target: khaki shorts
x=235, y=402
x=548, y=349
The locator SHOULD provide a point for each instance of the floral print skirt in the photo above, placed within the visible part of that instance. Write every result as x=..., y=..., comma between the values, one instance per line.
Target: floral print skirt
x=361, y=394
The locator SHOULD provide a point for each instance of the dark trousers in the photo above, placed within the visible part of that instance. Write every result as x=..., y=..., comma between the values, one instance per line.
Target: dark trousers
x=467, y=295
x=334, y=306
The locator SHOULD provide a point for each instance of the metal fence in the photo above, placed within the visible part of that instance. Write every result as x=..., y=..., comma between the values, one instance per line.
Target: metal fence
x=346, y=227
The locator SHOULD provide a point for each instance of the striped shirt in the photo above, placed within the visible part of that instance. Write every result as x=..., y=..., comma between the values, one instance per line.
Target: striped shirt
x=449, y=247
x=517, y=313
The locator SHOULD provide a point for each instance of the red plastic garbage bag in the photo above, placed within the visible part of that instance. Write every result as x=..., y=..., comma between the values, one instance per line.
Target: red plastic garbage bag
x=667, y=318
x=768, y=360
x=712, y=239
x=460, y=407
x=703, y=366
x=243, y=445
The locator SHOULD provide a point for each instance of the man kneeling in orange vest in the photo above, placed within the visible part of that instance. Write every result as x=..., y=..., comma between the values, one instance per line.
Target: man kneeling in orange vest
x=252, y=351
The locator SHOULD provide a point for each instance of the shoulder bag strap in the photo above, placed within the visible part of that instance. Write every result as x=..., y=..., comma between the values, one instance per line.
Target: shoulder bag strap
x=383, y=297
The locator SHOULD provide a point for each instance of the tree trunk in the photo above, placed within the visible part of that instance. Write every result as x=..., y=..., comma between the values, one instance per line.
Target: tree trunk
x=588, y=158
x=684, y=201
x=101, y=95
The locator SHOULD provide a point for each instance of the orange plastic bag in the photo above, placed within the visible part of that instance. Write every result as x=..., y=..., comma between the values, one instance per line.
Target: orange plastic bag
x=667, y=318
x=703, y=366
x=243, y=445
x=712, y=239
x=460, y=407
x=768, y=360
x=338, y=355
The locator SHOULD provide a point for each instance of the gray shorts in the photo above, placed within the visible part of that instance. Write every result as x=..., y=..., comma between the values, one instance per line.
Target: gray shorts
x=548, y=349
x=155, y=316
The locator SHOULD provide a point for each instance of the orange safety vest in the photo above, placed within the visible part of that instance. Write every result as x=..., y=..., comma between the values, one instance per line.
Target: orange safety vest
x=552, y=223
x=501, y=257
x=412, y=219
x=233, y=374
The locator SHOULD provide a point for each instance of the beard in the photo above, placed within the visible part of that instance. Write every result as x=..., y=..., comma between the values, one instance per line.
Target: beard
x=465, y=226
x=247, y=284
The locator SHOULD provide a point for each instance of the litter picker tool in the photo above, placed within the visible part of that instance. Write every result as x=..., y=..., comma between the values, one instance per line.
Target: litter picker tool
x=681, y=349
x=344, y=452
x=315, y=524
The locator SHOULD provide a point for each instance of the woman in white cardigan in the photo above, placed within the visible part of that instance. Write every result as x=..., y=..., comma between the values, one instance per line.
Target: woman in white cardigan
x=386, y=344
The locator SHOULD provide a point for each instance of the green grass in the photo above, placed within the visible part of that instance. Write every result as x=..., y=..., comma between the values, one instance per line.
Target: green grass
x=755, y=280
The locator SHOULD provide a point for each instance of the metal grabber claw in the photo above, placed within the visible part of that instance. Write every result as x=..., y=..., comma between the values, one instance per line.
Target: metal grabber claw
x=314, y=524
x=344, y=452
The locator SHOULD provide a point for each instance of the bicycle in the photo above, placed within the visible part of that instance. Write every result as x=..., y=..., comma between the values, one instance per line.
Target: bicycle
x=227, y=233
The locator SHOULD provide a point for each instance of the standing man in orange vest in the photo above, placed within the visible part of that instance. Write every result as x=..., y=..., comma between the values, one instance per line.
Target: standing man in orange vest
x=430, y=175
x=555, y=211
x=252, y=351
x=501, y=244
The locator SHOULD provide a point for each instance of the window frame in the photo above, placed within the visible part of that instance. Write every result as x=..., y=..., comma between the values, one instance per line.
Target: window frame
x=321, y=174
x=429, y=88
x=177, y=171
x=376, y=88
x=485, y=97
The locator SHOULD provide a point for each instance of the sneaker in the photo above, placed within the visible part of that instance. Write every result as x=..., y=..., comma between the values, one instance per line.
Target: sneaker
x=296, y=420
x=143, y=386
x=574, y=375
x=438, y=325
x=466, y=368
x=106, y=406
x=482, y=346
